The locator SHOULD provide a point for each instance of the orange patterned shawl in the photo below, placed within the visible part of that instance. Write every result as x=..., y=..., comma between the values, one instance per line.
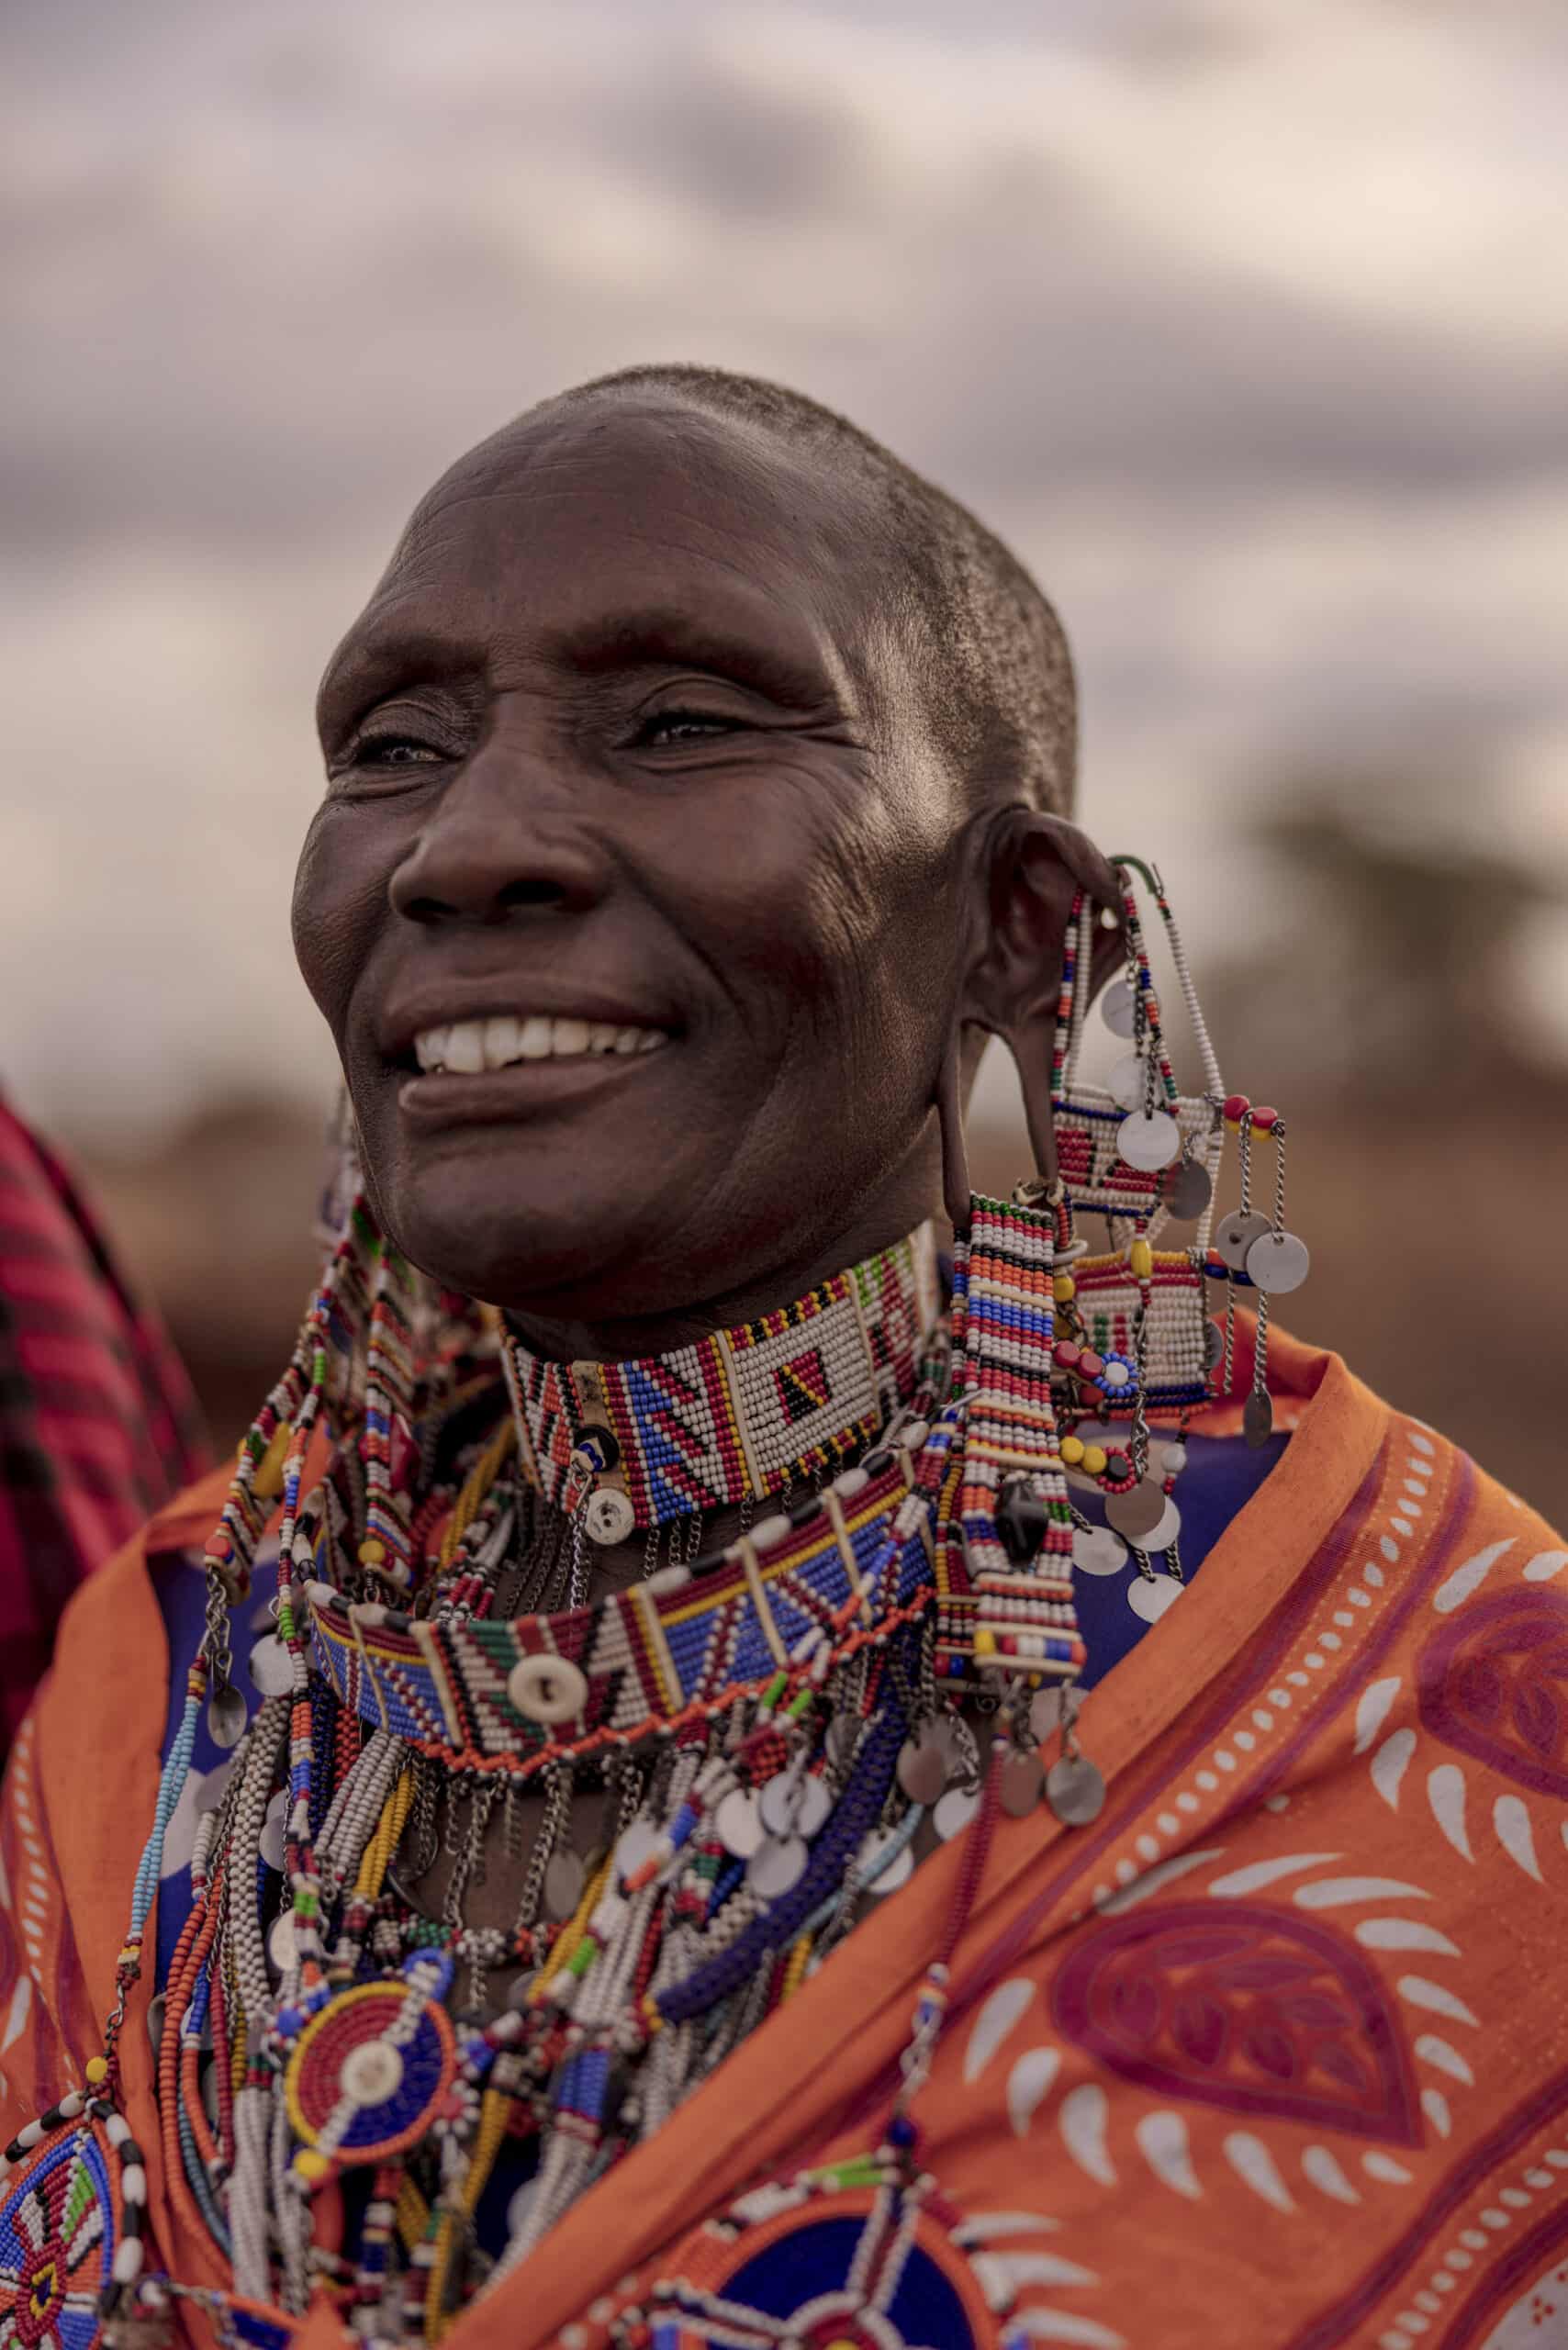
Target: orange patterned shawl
x=1273, y=2054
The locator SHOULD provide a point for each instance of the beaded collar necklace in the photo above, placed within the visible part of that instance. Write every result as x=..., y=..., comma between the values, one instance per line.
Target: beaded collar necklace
x=739, y=1415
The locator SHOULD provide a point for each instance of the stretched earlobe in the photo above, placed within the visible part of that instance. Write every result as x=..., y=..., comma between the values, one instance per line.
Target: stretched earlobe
x=956, y=1193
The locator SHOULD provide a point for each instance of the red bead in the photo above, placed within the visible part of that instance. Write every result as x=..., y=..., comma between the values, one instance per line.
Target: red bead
x=1265, y=1120
x=1236, y=1108
x=1065, y=1353
x=1090, y=1364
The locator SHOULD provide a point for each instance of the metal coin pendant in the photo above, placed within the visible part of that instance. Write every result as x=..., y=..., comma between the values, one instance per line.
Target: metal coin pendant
x=1148, y=1140
x=954, y=1812
x=776, y=1865
x=1256, y=1419
x=779, y=1803
x=815, y=1804
x=1128, y=1081
x=842, y=1737
x=226, y=1715
x=1075, y=1790
x=1097, y=1551
x=738, y=1828
x=635, y=1847
x=1136, y=1513
x=564, y=1880
x=1161, y=1535
x=1235, y=1234
x=1278, y=1263
x=1150, y=1595
x=1045, y=1709
x=156, y=2010
x=274, y=1830
x=1022, y=1779
x=900, y=1869
x=923, y=1769
x=610, y=1517
x=1189, y=1192
x=281, y=1947
x=272, y=1667
x=1214, y=1345
x=1116, y=1008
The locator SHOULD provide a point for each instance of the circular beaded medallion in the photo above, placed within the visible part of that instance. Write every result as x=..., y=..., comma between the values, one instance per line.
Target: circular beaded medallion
x=851, y=2270
x=58, y=2232
x=343, y=2093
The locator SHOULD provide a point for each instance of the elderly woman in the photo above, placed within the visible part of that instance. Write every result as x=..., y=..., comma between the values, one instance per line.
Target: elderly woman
x=595, y=1834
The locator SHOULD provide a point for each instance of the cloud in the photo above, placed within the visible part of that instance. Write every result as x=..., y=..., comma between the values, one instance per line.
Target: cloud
x=1245, y=325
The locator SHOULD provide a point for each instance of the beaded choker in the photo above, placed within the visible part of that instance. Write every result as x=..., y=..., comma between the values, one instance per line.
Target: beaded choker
x=739, y=1415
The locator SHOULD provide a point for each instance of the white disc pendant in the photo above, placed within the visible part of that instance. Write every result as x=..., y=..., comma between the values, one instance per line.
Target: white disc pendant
x=736, y=1822
x=281, y=1947
x=955, y=1811
x=1148, y=1140
x=1235, y=1234
x=1137, y=1511
x=1161, y=1535
x=815, y=1804
x=564, y=1877
x=1116, y=1008
x=779, y=1803
x=272, y=1667
x=776, y=1865
x=273, y=1832
x=1278, y=1263
x=1150, y=1595
x=636, y=1847
x=1098, y=1552
x=1022, y=1779
x=610, y=1517
x=900, y=1869
x=1128, y=1081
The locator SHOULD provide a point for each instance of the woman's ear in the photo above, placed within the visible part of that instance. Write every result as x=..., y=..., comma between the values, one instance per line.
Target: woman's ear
x=1037, y=865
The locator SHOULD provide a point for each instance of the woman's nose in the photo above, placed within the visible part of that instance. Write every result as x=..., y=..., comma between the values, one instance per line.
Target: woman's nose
x=505, y=838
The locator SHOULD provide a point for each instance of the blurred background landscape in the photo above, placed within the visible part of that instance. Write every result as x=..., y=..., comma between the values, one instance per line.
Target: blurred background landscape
x=1246, y=328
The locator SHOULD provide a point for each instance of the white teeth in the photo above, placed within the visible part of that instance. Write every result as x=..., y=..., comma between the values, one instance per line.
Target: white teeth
x=502, y=1041
x=470, y=1045
x=465, y=1047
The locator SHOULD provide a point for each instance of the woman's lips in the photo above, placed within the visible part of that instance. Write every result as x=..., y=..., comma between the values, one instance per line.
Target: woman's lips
x=434, y=1099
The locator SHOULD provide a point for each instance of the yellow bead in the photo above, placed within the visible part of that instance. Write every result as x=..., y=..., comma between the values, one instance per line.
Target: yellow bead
x=985, y=1644
x=1094, y=1458
x=1073, y=1450
x=267, y=1483
x=97, y=2071
x=311, y=2167
x=1064, y=1288
x=371, y=1553
x=1141, y=1256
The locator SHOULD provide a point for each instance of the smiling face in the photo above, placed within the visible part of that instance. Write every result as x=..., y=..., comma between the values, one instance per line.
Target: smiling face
x=630, y=789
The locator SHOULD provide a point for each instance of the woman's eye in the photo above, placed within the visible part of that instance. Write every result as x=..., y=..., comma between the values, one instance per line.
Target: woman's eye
x=394, y=750
x=683, y=726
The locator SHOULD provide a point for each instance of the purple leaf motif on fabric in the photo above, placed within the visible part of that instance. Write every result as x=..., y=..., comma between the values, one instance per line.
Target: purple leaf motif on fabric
x=1271, y=2014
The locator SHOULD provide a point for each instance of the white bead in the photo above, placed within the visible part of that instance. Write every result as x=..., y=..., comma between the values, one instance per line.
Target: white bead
x=371, y=2074
x=769, y=1532
x=129, y=2256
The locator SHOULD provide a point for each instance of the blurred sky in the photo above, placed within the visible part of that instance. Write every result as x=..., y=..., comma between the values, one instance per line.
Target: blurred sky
x=1245, y=324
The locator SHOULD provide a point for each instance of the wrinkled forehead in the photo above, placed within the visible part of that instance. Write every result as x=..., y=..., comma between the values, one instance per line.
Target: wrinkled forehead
x=570, y=532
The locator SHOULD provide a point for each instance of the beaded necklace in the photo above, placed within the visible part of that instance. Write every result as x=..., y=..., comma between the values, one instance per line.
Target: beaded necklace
x=767, y=1728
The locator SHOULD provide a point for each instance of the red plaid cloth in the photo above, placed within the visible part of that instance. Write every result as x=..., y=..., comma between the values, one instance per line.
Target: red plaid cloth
x=97, y=1425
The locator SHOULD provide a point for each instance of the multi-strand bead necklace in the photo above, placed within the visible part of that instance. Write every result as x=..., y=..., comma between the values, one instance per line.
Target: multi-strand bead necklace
x=345, y=2079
